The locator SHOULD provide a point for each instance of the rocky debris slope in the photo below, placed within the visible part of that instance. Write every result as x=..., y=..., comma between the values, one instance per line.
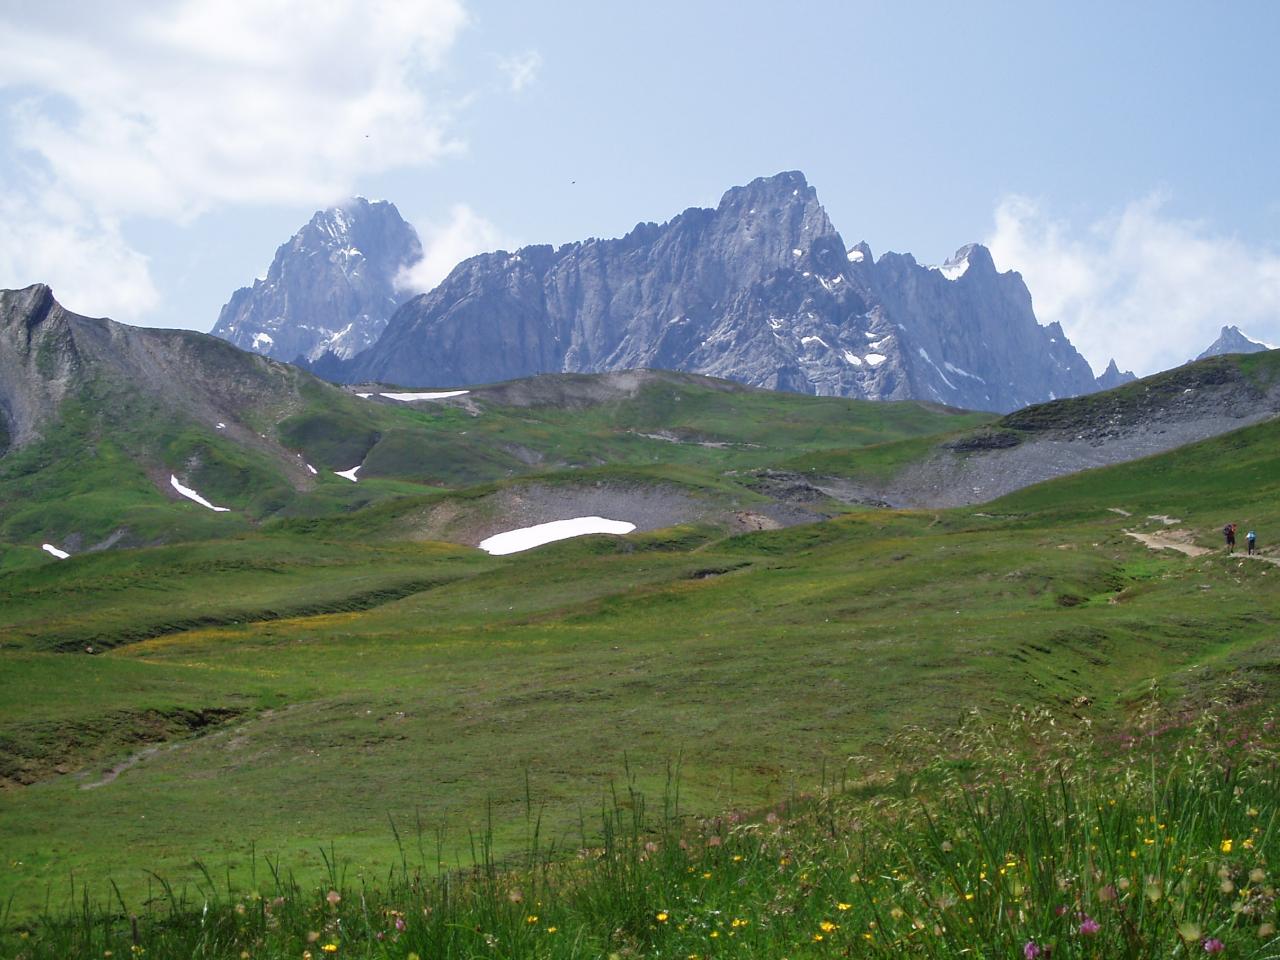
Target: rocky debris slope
x=1231, y=340
x=330, y=289
x=762, y=290
x=48, y=353
x=1153, y=415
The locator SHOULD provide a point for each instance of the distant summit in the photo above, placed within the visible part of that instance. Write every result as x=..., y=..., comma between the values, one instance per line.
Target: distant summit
x=1114, y=377
x=1231, y=340
x=331, y=288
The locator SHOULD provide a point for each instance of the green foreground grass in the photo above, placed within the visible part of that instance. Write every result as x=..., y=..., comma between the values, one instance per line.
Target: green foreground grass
x=1028, y=838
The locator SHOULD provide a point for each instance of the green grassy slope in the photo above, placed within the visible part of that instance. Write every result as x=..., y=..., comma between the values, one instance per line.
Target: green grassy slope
x=757, y=659
x=102, y=468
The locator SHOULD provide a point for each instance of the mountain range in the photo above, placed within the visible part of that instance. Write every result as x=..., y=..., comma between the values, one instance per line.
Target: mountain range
x=762, y=290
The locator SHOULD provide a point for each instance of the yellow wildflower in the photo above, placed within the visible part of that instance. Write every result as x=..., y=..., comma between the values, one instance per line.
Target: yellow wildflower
x=843, y=906
x=1225, y=846
x=661, y=917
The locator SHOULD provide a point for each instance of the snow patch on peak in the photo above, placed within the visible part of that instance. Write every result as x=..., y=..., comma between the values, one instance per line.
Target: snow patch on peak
x=856, y=256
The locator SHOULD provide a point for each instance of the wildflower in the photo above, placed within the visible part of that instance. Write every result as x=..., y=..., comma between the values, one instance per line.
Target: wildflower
x=1189, y=931
x=1089, y=926
x=552, y=929
x=714, y=934
x=706, y=875
x=330, y=948
x=817, y=937
x=1214, y=945
x=1257, y=875
x=334, y=898
x=400, y=925
x=843, y=906
x=1031, y=950
x=827, y=926
x=738, y=922
x=413, y=956
x=531, y=918
x=1225, y=846
x=737, y=858
x=661, y=917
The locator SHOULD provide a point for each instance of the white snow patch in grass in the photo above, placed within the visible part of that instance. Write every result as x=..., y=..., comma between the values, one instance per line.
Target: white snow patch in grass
x=350, y=474
x=192, y=495
x=50, y=548
x=364, y=396
x=311, y=469
x=429, y=395
x=875, y=359
x=526, y=538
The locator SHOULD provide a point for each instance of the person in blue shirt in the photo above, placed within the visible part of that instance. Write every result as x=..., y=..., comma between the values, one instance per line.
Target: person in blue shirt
x=1251, y=539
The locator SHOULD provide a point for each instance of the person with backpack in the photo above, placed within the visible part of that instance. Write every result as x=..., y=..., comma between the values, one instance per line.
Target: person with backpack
x=1229, y=531
x=1251, y=539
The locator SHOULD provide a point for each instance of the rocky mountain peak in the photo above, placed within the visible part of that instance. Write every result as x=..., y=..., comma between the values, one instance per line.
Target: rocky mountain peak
x=331, y=288
x=1232, y=340
x=971, y=257
x=1113, y=376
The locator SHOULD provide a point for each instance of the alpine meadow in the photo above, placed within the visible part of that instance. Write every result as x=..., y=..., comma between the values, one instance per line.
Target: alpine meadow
x=520, y=577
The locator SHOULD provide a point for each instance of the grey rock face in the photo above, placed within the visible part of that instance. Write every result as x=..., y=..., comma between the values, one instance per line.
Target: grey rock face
x=1114, y=377
x=48, y=353
x=331, y=288
x=1231, y=340
x=761, y=290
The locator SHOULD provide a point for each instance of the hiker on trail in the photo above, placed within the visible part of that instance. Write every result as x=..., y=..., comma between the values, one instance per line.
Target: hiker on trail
x=1229, y=531
x=1251, y=539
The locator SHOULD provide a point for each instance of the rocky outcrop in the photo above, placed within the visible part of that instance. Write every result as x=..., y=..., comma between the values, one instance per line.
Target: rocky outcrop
x=331, y=288
x=1231, y=340
x=762, y=290
x=1114, y=377
x=48, y=353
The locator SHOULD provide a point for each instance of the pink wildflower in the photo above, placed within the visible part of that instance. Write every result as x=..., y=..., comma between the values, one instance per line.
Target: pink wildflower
x=1032, y=950
x=1214, y=945
x=1089, y=926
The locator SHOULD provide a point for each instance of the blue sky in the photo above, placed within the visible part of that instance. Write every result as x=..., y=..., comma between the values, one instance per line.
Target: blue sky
x=1122, y=156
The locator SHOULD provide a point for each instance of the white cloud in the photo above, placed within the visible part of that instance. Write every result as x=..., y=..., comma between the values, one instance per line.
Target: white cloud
x=445, y=245
x=170, y=108
x=166, y=109
x=90, y=268
x=1149, y=289
x=521, y=69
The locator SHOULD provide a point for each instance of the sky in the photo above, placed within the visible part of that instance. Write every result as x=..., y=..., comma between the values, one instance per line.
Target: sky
x=1122, y=157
